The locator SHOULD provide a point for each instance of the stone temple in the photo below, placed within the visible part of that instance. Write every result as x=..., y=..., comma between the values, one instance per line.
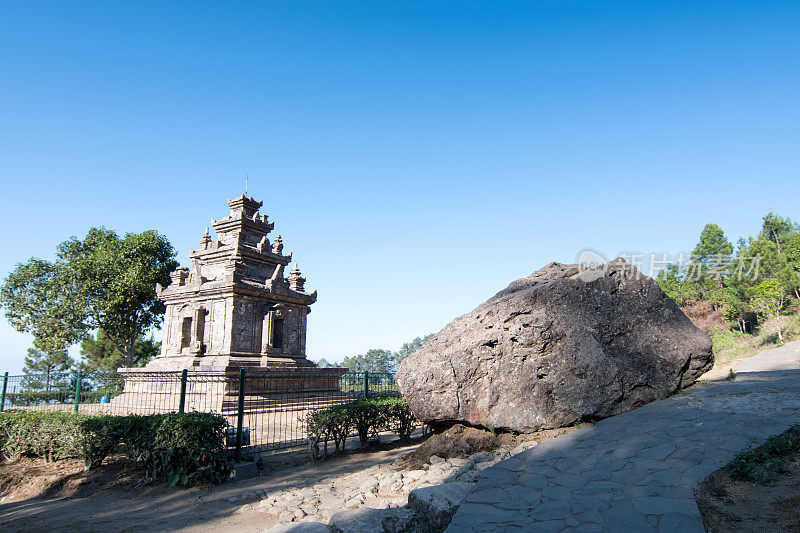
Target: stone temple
x=236, y=306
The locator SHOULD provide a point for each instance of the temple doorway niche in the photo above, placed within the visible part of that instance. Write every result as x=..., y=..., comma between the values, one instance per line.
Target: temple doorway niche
x=200, y=330
x=277, y=334
x=186, y=332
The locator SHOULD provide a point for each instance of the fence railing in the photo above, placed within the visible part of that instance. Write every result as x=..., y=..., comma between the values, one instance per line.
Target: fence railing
x=265, y=409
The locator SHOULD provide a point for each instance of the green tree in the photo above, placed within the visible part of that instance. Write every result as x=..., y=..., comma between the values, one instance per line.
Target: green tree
x=777, y=228
x=46, y=366
x=408, y=348
x=791, y=250
x=101, y=282
x=100, y=354
x=713, y=243
x=380, y=360
x=710, y=260
x=769, y=297
x=375, y=360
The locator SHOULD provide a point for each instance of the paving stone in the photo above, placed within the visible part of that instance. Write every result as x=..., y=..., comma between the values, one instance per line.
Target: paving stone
x=571, y=481
x=640, y=468
x=626, y=520
x=680, y=522
x=662, y=477
x=593, y=502
x=554, y=510
x=659, y=505
x=659, y=452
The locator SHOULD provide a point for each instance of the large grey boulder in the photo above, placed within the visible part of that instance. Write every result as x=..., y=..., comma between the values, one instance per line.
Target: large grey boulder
x=561, y=345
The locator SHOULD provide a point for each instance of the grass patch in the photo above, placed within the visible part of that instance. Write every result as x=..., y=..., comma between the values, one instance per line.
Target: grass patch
x=733, y=344
x=761, y=465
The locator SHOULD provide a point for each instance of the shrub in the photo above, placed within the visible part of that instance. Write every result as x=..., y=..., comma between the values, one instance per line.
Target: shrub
x=366, y=417
x=188, y=449
x=181, y=449
x=52, y=435
x=98, y=437
x=333, y=423
x=397, y=416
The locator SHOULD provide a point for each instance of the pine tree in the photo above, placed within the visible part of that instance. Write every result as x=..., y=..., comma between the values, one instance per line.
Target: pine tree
x=46, y=366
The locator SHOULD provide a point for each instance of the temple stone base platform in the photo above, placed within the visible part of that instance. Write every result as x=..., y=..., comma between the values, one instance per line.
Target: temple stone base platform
x=212, y=385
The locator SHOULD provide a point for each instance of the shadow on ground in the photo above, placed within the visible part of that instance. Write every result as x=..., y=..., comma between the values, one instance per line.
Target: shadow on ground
x=161, y=508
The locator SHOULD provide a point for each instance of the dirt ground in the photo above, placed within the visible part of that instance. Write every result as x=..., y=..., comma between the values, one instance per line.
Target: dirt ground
x=36, y=496
x=36, y=478
x=728, y=505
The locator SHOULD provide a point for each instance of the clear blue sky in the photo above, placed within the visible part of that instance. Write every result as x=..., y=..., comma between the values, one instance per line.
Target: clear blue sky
x=416, y=157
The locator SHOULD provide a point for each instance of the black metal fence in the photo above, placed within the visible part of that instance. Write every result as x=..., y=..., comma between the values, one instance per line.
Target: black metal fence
x=265, y=409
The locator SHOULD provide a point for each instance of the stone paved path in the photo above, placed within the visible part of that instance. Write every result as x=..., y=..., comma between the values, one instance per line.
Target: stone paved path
x=637, y=471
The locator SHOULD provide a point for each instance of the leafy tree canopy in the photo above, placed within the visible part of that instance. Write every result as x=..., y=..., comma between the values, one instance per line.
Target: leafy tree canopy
x=375, y=360
x=380, y=360
x=769, y=298
x=102, y=282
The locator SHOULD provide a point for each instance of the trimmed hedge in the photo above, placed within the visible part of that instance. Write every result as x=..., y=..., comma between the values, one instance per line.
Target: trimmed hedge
x=366, y=417
x=181, y=449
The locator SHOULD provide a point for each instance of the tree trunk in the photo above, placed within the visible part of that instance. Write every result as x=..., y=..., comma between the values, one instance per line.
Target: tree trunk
x=129, y=354
x=778, y=326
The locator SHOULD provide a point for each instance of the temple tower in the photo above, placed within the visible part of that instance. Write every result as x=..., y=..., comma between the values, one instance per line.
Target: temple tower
x=236, y=306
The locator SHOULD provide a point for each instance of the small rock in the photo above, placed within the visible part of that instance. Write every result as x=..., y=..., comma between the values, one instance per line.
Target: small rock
x=299, y=513
x=435, y=505
x=371, y=520
x=460, y=463
x=286, y=516
x=309, y=508
x=380, y=504
x=485, y=465
x=480, y=457
x=436, y=459
x=414, y=474
x=470, y=476
x=305, y=527
x=353, y=503
x=266, y=505
x=523, y=446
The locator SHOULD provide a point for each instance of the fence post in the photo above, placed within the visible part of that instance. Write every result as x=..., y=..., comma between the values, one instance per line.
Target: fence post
x=78, y=377
x=181, y=407
x=3, y=397
x=240, y=415
x=366, y=384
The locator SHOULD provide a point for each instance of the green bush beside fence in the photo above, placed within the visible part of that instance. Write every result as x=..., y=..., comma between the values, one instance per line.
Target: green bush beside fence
x=181, y=449
x=366, y=417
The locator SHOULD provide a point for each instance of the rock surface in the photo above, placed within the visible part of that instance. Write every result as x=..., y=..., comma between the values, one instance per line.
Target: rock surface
x=374, y=499
x=435, y=505
x=561, y=345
